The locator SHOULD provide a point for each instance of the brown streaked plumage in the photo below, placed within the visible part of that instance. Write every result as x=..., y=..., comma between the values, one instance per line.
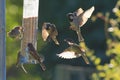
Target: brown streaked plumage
x=78, y=19
x=35, y=55
x=16, y=32
x=73, y=51
x=49, y=31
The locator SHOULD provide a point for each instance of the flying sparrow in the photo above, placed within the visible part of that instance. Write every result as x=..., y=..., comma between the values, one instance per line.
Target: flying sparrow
x=49, y=31
x=73, y=51
x=78, y=19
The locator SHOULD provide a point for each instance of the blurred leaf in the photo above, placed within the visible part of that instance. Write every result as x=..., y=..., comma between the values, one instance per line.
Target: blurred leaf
x=97, y=61
x=102, y=74
x=99, y=67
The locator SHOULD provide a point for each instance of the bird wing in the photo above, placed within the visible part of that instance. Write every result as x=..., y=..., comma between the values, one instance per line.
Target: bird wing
x=79, y=11
x=89, y=12
x=56, y=32
x=45, y=34
x=39, y=59
x=67, y=55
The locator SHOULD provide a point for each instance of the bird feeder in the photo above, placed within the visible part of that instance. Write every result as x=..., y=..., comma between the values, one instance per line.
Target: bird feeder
x=30, y=27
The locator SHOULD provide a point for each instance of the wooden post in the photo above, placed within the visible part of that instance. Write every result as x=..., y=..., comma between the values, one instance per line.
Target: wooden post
x=2, y=41
x=29, y=24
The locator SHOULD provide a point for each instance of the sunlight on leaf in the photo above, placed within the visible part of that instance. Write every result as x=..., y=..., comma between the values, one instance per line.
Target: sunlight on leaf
x=102, y=74
x=97, y=61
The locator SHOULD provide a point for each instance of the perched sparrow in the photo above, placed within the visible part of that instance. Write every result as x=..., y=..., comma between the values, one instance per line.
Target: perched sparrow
x=78, y=19
x=16, y=32
x=49, y=32
x=35, y=55
x=74, y=51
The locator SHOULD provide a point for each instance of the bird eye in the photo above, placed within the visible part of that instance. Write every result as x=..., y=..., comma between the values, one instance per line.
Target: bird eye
x=71, y=17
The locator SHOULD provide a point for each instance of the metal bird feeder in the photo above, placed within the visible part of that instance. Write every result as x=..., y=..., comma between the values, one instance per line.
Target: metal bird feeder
x=30, y=27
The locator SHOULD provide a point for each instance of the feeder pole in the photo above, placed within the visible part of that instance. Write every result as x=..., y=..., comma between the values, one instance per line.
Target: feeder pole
x=2, y=41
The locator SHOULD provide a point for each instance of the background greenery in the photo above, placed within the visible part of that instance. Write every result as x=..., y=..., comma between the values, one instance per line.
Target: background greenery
x=103, y=46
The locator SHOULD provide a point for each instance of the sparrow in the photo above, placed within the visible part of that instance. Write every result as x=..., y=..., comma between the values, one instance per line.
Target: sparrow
x=16, y=32
x=73, y=51
x=35, y=55
x=49, y=31
x=78, y=18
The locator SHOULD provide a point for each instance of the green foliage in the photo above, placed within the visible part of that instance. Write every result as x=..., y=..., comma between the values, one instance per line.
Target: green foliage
x=12, y=9
x=55, y=11
x=111, y=70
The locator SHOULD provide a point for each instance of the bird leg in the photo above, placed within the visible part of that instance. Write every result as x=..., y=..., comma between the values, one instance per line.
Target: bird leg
x=23, y=68
x=80, y=37
x=85, y=58
x=42, y=66
x=55, y=40
x=19, y=56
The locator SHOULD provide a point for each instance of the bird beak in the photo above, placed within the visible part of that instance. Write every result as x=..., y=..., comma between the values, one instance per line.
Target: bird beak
x=68, y=42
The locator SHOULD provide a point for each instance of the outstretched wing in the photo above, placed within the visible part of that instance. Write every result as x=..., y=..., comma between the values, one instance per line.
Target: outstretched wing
x=45, y=33
x=79, y=11
x=89, y=12
x=67, y=54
